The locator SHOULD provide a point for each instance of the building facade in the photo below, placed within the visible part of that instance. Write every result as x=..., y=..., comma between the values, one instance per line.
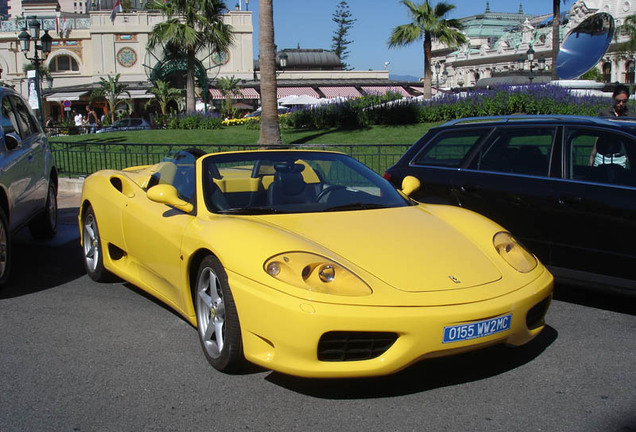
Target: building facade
x=498, y=45
x=89, y=46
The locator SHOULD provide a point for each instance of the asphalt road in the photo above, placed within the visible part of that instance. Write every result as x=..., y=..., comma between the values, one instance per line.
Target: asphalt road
x=82, y=356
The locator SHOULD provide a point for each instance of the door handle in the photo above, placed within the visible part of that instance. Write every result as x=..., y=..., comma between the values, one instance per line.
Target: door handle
x=469, y=188
x=570, y=199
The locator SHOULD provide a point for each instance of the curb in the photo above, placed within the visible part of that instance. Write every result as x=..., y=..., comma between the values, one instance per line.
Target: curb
x=70, y=185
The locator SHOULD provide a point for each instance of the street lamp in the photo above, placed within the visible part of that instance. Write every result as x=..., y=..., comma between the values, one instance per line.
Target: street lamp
x=438, y=67
x=530, y=54
x=44, y=47
x=520, y=63
x=282, y=60
x=541, y=62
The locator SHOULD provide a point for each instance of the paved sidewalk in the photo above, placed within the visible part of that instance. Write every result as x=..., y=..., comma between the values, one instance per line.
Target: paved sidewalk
x=69, y=193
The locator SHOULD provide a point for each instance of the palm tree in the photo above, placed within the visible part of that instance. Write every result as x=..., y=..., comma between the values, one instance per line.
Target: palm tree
x=628, y=28
x=112, y=90
x=191, y=26
x=428, y=23
x=270, y=128
x=164, y=94
x=556, y=42
x=228, y=86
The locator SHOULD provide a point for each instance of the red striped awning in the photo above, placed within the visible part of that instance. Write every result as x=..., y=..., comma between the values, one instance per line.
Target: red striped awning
x=216, y=94
x=298, y=91
x=383, y=89
x=246, y=93
x=250, y=93
x=345, y=92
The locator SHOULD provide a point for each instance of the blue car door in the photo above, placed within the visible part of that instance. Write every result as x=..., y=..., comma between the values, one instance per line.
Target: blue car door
x=596, y=215
x=510, y=180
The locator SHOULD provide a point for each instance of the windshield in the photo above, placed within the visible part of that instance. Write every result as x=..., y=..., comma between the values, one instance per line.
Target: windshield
x=292, y=182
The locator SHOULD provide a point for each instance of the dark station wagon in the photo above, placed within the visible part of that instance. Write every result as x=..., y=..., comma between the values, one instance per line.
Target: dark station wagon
x=564, y=185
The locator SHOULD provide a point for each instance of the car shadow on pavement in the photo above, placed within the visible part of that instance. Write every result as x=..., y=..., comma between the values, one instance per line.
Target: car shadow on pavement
x=38, y=265
x=425, y=375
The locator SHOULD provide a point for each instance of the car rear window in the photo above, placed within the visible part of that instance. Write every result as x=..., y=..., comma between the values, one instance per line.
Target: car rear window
x=449, y=149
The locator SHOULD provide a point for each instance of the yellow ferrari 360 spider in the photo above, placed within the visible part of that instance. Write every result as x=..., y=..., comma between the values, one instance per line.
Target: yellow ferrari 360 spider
x=309, y=263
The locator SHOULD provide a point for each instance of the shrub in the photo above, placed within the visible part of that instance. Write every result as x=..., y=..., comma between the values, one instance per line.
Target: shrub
x=195, y=121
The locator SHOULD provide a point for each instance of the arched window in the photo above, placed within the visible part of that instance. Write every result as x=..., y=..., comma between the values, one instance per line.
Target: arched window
x=607, y=72
x=63, y=63
x=629, y=72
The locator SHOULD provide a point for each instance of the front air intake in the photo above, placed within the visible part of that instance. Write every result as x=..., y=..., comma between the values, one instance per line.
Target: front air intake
x=352, y=346
x=536, y=315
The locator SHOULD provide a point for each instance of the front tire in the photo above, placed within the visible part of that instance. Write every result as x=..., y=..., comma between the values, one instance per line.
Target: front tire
x=5, y=248
x=92, y=247
x=44, y=226
x=217, y=319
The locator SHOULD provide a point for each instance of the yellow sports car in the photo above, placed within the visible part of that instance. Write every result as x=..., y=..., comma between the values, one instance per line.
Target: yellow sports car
x=309, y=263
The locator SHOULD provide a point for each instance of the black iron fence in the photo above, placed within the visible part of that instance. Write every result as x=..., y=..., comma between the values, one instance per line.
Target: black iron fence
x=80, y=159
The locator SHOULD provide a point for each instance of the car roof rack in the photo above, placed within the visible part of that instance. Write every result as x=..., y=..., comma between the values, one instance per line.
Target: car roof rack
x=531, y=117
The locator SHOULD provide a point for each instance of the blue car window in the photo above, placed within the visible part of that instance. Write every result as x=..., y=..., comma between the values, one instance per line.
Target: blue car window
x=28, y=125
x=9, y=120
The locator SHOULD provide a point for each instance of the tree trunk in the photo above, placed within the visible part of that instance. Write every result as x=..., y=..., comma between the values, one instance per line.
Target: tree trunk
x=190, y=104
x=270, y=128
x=556, y=43
x=428, y=92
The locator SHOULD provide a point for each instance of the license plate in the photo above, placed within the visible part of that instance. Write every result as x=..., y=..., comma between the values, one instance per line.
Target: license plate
x=477, y=329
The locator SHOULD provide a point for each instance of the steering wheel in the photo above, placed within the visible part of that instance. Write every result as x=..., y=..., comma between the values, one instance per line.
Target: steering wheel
x=327, y=190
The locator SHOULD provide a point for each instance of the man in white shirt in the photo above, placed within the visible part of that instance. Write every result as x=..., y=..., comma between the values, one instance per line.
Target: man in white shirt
x=77, y=118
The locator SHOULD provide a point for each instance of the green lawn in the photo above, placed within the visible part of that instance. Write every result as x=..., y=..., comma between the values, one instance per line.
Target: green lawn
x=241, y=135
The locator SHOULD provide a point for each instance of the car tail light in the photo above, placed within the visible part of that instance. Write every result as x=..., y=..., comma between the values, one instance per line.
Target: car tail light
x=387, y=176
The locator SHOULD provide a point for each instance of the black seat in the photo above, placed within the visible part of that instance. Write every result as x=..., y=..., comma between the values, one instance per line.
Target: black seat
x=530, y=160
x=289, y=186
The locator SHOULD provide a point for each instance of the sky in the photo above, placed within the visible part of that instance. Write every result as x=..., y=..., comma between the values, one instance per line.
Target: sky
x=308, y=24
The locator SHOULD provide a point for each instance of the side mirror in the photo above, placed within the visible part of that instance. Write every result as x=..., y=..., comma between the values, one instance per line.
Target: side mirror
x=12, y=141
x=409, y=185
x=167, y=194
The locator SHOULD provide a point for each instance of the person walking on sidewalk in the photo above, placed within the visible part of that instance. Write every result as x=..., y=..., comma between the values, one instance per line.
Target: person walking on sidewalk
x=92, y=119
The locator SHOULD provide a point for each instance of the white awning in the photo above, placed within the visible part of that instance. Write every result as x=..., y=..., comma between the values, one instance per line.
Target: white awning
x=137, y=94
x=61, y=97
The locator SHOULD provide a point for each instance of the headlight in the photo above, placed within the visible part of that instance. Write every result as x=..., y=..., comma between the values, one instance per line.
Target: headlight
x=315, y=273
x=513, y=253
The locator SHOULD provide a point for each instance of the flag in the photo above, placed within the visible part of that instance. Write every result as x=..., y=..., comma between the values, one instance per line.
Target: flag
x=57, y=25
x=116, y=8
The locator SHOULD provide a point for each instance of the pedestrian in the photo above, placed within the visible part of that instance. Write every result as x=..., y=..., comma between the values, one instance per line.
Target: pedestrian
x=611, y=152
x=91, y=118
x=620, y=96
x=77, y=118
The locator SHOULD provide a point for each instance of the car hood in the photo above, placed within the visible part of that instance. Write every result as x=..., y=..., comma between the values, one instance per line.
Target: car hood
x=407, y=247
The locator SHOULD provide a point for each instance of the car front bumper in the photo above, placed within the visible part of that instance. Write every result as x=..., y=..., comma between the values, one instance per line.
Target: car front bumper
x=283, y=333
